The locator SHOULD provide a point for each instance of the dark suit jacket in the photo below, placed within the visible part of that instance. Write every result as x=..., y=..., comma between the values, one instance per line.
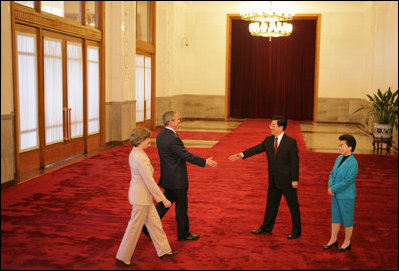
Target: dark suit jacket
x=173, y=156
x=284, y=167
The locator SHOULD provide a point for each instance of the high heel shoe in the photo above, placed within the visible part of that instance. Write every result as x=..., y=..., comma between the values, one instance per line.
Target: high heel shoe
x=335, y=244
x=125, y=264
x=173, y=253
x=344, y=249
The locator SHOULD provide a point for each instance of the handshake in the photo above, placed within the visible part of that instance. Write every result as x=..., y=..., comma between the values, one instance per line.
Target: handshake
x=213, y=163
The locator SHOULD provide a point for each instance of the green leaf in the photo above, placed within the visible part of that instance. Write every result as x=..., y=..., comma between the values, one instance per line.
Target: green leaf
x=383, y=107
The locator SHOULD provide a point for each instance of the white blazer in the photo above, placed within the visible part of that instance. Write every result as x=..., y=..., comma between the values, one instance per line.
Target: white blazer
x=142, y=184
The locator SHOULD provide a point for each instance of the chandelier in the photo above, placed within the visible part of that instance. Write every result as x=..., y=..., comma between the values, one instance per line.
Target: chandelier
x=266, y=21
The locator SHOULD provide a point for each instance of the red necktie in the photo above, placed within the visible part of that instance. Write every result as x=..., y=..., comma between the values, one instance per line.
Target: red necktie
x=275, y=146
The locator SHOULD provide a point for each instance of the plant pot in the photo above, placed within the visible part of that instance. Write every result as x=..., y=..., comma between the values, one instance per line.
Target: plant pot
x=383, y=131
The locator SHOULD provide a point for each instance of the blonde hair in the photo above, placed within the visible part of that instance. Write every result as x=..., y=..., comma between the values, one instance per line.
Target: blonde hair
x=138, y=135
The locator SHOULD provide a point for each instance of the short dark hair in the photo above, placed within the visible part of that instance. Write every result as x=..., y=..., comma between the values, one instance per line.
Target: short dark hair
x=281, y=121
x=350, y=141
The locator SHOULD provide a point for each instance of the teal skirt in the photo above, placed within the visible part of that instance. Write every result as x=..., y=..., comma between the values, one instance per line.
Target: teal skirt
x=343, y=211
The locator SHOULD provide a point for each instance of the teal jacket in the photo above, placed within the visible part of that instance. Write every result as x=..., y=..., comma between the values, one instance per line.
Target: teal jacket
x=343, y=179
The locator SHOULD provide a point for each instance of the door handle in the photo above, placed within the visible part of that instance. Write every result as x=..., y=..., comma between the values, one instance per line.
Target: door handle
x=67, y=123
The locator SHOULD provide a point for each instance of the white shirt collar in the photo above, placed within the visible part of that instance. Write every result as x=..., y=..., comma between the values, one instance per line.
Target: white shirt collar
x=279, y=138
x=167, y=127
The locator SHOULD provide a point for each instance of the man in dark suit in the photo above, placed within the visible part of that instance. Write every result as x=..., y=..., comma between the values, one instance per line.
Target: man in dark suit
x=173, y=156
x=283, y=166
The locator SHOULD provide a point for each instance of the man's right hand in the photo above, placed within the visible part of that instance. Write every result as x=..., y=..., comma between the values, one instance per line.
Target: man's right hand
x=211, y=162
x=235, y=157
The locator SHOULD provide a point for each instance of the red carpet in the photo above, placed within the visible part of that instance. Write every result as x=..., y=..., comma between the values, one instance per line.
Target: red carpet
x=75, y=217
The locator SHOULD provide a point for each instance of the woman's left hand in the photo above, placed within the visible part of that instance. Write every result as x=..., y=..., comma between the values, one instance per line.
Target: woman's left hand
x=167, y=203
x=330, y=192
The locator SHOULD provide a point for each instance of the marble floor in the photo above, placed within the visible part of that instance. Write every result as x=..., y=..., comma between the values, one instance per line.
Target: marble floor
x=209, y=126
x=323, y=137
x=204, y=126
x=319, y=137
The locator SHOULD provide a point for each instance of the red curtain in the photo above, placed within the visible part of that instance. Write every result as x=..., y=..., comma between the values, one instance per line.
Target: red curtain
x=272, y=77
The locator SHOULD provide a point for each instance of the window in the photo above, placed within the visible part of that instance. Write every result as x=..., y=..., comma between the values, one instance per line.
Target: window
x=143, y=88
x=139, y=88
x=53, y=83
x=75, y=87
x=91, y=13
x=93, y=89
x=147, y=87
x=30, y=4
x=72, y=10
x=27, y=90
x=144, y=21
x=145, y=51
x=66, y=9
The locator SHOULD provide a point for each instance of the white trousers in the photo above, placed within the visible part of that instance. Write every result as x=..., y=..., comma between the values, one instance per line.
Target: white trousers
x=143, y=215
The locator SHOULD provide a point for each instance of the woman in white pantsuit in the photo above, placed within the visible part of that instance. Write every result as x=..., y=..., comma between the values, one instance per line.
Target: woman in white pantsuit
x=142, y=189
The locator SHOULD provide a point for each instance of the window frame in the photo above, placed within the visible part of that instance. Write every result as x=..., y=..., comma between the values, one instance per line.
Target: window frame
x=148, y=49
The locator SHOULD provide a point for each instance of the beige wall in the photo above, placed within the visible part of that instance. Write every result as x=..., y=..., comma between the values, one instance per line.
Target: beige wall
x=7, y=103
x=385, y=66
x=120, y=52
x=7, y=148
x=358, y=47
x=192, y=106
x=191, y=51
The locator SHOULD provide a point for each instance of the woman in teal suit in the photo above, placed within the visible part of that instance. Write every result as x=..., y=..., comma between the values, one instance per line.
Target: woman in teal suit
x=342, y=189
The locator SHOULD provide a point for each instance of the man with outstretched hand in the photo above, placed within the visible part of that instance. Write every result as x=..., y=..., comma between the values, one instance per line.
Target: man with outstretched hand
x=173, y=157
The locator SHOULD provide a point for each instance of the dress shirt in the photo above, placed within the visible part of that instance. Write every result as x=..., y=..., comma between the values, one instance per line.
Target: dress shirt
x=279, y=138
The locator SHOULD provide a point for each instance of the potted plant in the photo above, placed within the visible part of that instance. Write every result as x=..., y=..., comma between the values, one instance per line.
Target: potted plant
x=383, y=107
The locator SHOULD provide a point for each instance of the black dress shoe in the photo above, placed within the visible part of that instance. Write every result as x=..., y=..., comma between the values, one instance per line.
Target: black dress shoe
x=335, y=244
x=261, y=231
x=173, y=253
x=344, y=249
x=125, y=264
x=293, y=235
x=190, y=237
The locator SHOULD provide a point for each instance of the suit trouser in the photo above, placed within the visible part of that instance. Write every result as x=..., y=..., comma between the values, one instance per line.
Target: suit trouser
x=273, y=202
x=143, y=215
x=179, y=196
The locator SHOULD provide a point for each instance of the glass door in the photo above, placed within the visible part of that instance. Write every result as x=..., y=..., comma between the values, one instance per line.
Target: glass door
x=63, y=97
x=143, y=91
x=59, y=100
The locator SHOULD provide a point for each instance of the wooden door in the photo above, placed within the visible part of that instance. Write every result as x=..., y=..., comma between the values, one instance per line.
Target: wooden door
x=63, y=90
x=57, y=97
